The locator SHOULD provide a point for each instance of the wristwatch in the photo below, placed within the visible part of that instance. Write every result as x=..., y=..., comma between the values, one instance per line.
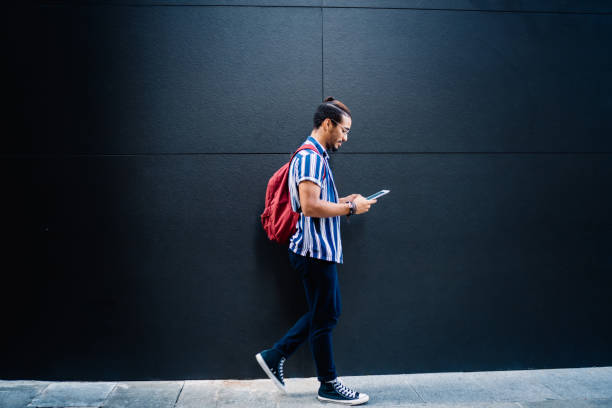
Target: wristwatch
x=352, y=208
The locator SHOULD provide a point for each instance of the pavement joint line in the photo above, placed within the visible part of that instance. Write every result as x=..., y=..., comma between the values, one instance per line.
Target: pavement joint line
x=551, y=390
x=179, y=394
x=42, y=390
x=417, y=393
x=109, y=394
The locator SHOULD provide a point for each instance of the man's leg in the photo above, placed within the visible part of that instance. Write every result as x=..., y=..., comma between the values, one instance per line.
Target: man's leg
x=294, y=337
x=326, y=308
x=320, y=279
x=298, y=334
x=323, y=293
x=272, y=360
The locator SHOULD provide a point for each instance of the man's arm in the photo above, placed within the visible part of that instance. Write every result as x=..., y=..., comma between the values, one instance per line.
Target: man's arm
x=313, y=206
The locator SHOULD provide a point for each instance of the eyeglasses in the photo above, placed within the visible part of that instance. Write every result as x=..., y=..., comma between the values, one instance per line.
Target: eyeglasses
x=345, y=130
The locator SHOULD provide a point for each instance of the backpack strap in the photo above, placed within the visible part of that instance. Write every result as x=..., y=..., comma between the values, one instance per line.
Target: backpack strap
x=314, y=149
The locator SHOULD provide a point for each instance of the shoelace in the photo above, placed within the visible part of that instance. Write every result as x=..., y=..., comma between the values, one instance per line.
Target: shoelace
x=280, y=368
x=343, y=389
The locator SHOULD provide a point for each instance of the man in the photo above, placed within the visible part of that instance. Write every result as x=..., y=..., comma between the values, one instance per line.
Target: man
x=314, y=251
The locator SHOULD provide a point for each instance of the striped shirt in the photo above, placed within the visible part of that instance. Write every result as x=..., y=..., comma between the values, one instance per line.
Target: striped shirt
x=318, y=236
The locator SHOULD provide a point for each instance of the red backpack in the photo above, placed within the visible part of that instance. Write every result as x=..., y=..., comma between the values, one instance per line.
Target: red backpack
x=278, y=219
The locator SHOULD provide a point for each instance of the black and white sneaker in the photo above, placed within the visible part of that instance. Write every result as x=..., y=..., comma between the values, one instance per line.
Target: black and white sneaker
x=271, y=361
x=335, y=391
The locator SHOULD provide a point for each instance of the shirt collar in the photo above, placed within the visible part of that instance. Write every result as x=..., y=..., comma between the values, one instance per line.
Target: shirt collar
x=319, y=147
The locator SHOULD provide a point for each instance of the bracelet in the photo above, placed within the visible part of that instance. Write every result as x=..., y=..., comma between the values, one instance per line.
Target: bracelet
x=351, y=208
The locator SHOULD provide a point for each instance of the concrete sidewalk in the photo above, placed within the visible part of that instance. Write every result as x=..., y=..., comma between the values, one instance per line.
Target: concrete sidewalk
x=558, y=388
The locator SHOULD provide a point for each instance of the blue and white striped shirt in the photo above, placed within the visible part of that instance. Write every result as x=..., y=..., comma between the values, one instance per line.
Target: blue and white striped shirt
x=319, y=236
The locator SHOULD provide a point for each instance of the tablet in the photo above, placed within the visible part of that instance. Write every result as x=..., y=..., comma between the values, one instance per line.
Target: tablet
x=379, y=194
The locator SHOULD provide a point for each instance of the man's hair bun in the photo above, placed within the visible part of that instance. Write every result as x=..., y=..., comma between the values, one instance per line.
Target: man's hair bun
x=330, y=108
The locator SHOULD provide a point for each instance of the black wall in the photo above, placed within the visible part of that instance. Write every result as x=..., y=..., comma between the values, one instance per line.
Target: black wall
x=139, y=138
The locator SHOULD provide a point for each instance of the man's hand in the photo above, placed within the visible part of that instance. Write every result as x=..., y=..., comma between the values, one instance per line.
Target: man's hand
x=362, y=204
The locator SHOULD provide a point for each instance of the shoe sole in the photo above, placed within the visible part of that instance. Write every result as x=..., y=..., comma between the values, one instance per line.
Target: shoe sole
x=264, y=366
x=363, y=398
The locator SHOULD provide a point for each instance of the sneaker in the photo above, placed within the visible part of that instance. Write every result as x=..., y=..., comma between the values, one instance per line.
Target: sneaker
x=271, y=361
x=335, y=391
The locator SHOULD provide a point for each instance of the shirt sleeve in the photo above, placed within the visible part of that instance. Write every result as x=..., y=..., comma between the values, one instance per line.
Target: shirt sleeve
x=310, y=167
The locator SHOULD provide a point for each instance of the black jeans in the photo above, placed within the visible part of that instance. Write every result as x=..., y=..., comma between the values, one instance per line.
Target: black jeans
x=320, y=280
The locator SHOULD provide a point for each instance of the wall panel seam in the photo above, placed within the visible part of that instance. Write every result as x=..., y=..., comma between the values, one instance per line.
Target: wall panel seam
x=55, y=4
x=68, y=155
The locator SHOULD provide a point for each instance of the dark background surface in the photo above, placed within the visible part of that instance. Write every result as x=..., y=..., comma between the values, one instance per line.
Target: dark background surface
x=140, y=137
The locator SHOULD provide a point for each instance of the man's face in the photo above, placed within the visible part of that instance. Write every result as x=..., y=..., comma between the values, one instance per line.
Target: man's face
x=339, y=133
